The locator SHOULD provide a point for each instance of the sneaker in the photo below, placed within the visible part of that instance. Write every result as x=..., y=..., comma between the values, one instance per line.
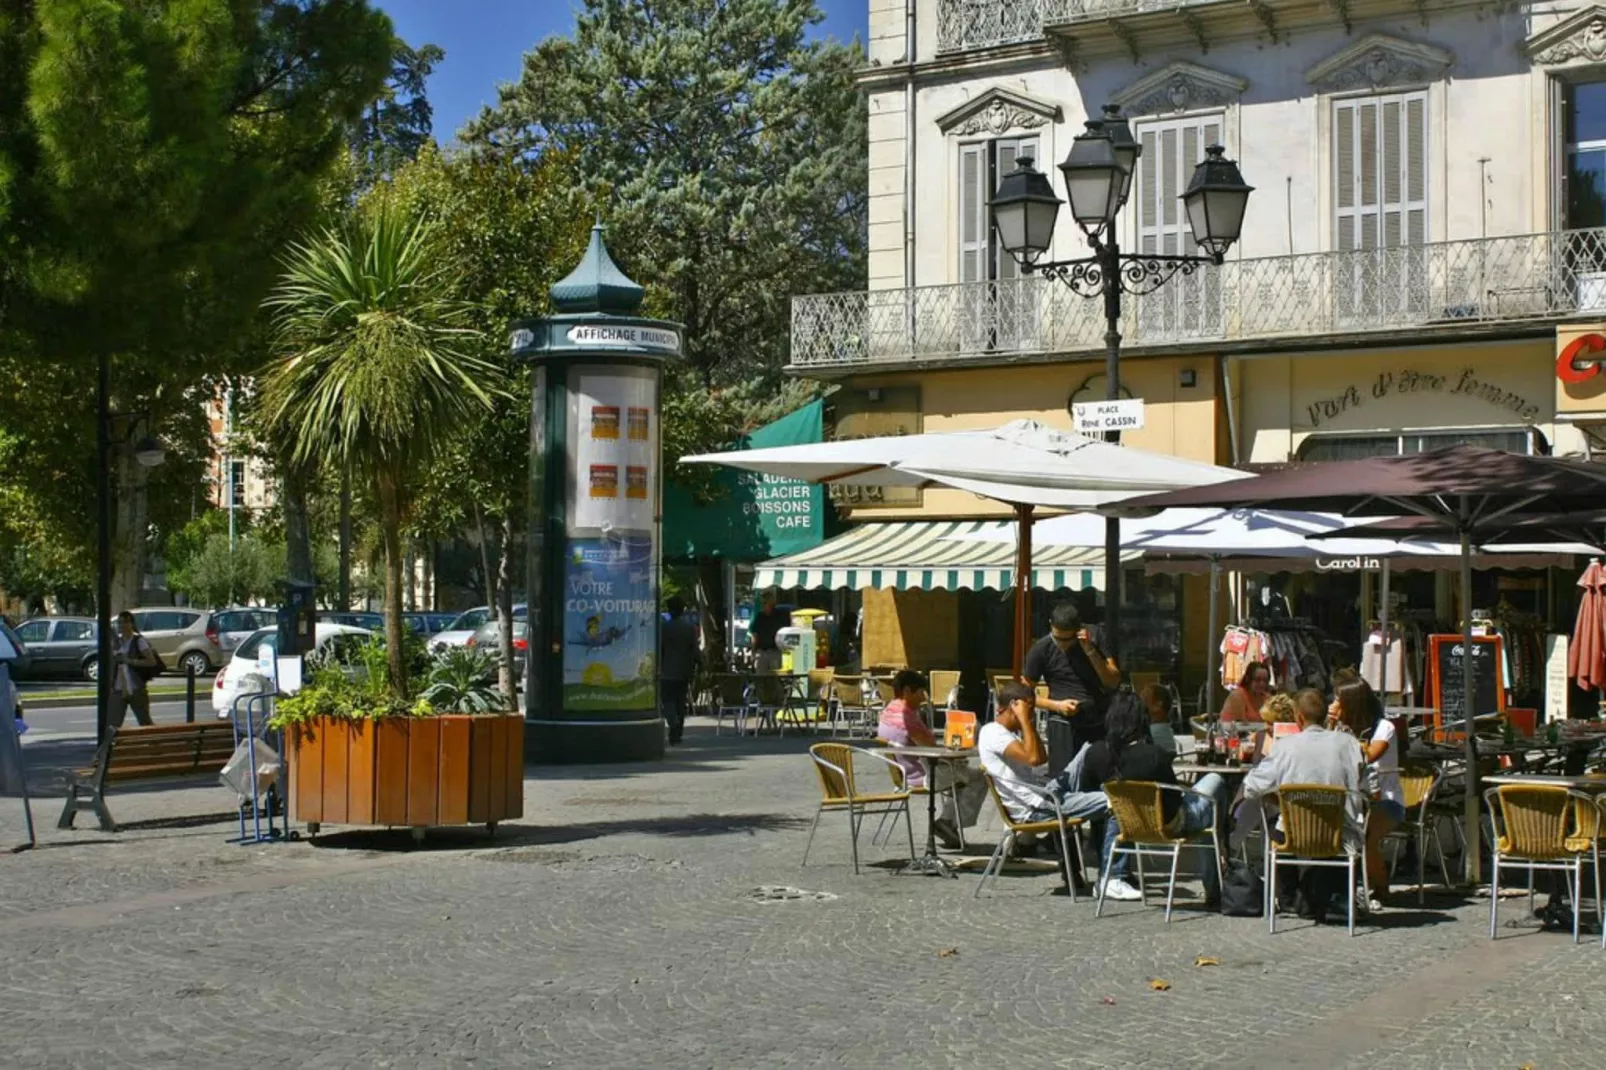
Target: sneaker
x=1119, y=890
x=947, y=833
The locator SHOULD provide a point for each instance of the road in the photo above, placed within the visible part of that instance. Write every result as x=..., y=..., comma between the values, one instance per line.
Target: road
x=80, y=720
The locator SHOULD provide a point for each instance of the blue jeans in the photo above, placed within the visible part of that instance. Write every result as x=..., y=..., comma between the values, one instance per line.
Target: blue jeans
x=1192, y=818
x=1073, y=801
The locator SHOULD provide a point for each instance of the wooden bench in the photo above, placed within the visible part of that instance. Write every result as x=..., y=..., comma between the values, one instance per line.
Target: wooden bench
x=141, y=753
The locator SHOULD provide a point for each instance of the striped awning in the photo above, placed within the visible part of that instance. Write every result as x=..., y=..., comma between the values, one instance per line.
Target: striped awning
x=923, y=555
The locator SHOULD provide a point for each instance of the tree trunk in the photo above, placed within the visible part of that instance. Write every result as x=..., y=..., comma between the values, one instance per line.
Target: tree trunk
x=128, y=531
x=390, y=522
x=412, y=574
x=711, y=608
x=487, y=577
x=343, y=598
x=504, y=615
x=297, y=530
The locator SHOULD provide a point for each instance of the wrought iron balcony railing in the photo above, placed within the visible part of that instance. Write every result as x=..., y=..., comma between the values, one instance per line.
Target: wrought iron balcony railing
x=1404, y=289
x=966, y=24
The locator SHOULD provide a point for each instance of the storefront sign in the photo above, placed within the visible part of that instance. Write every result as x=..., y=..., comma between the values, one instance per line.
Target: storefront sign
x=1573, y=363
x=1409, y=381
x=616, y=454
x=609, y=637
x=1347, y=564
x=871, y=413
x=786, y=505
x=1097, y=417
x=644, y=337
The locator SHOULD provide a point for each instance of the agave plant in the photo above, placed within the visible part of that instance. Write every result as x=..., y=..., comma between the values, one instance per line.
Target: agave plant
x=463, y=680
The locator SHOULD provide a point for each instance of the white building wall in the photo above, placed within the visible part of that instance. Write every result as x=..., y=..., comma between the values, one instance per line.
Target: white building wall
x=1490, y=104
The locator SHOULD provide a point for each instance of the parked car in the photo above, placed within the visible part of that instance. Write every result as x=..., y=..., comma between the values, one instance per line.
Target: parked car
x=59, y=646
x=427, y=624
x=461, y=628
x=235, y=625
x=14, y=649
x=235, y=679
x=485, y=637
x=368, y=622
x=185, y=639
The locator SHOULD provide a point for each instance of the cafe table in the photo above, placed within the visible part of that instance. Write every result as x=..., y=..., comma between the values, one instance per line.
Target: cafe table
x=1195, y=770
x=930, y=864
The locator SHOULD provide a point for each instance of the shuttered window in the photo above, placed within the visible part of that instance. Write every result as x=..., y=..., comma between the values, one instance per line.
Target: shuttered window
x=981, y=165
x=1171, y=150
x=1189, y=306
x=1380, y=179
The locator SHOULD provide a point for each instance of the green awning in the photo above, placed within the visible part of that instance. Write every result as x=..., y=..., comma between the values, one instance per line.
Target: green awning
x=923, y=555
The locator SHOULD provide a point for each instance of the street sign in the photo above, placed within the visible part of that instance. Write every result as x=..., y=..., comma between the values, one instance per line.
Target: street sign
x=1097, y=417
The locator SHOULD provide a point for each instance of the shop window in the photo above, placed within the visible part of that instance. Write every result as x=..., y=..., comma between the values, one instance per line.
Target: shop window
x=1001, y=312
x=1380, y=221
x=1189, y=305
x=1356, y=447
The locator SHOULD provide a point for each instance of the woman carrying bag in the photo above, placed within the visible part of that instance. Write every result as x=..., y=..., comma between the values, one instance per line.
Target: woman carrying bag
x=137, y=662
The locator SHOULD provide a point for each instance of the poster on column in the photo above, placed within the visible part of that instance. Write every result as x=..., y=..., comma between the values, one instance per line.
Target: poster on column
x=610, y=633
x=616, y=455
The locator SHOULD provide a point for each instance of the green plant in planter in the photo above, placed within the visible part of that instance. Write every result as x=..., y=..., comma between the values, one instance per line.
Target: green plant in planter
x=463, y=680
x=332, y=690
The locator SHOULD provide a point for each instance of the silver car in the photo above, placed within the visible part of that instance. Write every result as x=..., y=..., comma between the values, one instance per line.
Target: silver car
x=59, y=646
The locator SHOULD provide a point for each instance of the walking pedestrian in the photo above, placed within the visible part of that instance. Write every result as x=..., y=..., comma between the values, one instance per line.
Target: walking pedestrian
x=136, y=664
x=681, y=653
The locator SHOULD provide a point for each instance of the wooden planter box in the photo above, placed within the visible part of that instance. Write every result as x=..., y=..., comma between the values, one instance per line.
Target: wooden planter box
x=418, y=772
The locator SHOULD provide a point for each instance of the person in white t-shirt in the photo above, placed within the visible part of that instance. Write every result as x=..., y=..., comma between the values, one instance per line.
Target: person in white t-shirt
x=1356, y=707
x=1014, y=755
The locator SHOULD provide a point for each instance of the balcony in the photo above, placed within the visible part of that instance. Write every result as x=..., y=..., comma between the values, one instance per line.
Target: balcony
x=1446, y=289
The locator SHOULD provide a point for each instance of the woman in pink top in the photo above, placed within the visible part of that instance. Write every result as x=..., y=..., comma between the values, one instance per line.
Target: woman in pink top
x=1244, y=703
x=901, y=725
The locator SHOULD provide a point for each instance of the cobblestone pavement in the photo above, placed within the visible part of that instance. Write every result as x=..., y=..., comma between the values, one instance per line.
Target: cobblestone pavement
x=617, y=926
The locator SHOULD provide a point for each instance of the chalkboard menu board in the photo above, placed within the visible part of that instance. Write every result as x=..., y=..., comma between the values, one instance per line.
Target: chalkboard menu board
x=1449, y=695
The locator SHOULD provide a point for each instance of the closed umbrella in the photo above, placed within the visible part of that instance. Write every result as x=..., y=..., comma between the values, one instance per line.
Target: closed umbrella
x=1586, y=656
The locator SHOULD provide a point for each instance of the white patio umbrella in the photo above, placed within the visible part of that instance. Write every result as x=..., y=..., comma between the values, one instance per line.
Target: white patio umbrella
x=1023, y=463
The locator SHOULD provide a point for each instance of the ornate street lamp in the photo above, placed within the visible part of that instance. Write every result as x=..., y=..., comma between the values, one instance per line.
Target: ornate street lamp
x=1098, y=180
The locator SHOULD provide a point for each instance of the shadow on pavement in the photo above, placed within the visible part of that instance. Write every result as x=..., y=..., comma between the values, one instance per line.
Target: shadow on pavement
x=475, y=837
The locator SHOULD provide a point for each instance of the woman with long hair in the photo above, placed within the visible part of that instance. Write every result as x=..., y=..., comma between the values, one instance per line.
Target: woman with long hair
x=1245, y=700
x=1356, y=709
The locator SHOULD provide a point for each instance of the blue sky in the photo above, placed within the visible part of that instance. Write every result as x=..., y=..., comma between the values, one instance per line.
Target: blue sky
x=484, y=40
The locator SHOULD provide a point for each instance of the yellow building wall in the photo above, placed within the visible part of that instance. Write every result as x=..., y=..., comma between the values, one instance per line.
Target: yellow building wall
x=912, y=629
x=1179, y=420
x=1286, y=399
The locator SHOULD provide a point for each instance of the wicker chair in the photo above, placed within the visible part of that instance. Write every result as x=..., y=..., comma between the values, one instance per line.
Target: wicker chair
x=847, y=705
x=1066, y=827
x=1418, y=784
x=1137, y=807
x=733, y=699
x=1544, y=826
x=840, y=791
x=1313, y=819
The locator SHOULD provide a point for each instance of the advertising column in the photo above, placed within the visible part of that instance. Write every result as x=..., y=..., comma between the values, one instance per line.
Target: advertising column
x=591, y=688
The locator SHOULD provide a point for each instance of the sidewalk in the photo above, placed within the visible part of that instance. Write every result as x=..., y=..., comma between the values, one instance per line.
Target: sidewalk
x=617, y=925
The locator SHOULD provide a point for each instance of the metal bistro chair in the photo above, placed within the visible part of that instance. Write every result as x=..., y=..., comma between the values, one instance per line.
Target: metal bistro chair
x=1313, y=823
x=1544, y=826
x=731, y=699
x=1066, y=827
x=1419, y=783
x=1137, y=808
x=840, y=791
x=848, y=706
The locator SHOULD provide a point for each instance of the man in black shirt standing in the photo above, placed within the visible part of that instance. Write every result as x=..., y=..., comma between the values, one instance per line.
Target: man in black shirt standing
x=769, y=620
x=1078, y=675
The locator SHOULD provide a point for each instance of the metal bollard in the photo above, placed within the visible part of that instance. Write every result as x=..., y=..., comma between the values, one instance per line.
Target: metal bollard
x=189, y=694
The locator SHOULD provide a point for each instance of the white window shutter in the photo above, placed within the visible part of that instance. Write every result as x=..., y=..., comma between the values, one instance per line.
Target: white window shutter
x=1187, y=306
x=1009, y=151
x=973, y=213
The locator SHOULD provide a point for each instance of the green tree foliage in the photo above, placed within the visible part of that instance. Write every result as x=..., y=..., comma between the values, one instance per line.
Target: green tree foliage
x=218, y=575
x=729, y=153
x=397, y=126
x=155, y=157
x=378, y=367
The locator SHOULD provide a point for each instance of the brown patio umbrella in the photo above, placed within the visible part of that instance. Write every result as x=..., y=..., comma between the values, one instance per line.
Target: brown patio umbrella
x=1469, y=488
x=1586, y=655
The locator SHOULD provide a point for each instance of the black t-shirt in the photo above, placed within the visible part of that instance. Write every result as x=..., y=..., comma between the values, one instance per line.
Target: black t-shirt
x=1068, y=674
x=1140, y=761
x=766, y=624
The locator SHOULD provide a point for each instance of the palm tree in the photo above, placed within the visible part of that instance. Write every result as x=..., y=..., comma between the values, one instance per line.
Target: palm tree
x=376, y=367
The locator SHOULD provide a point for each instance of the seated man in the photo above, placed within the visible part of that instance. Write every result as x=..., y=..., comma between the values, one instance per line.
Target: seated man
x=1013, y=753
x=1157, y=700
x=1314, y=756
x=1127, y=752
x=902, y=726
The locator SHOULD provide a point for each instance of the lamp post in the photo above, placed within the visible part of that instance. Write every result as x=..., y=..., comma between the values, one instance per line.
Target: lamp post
x=1098, y=179
x=148, y=453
